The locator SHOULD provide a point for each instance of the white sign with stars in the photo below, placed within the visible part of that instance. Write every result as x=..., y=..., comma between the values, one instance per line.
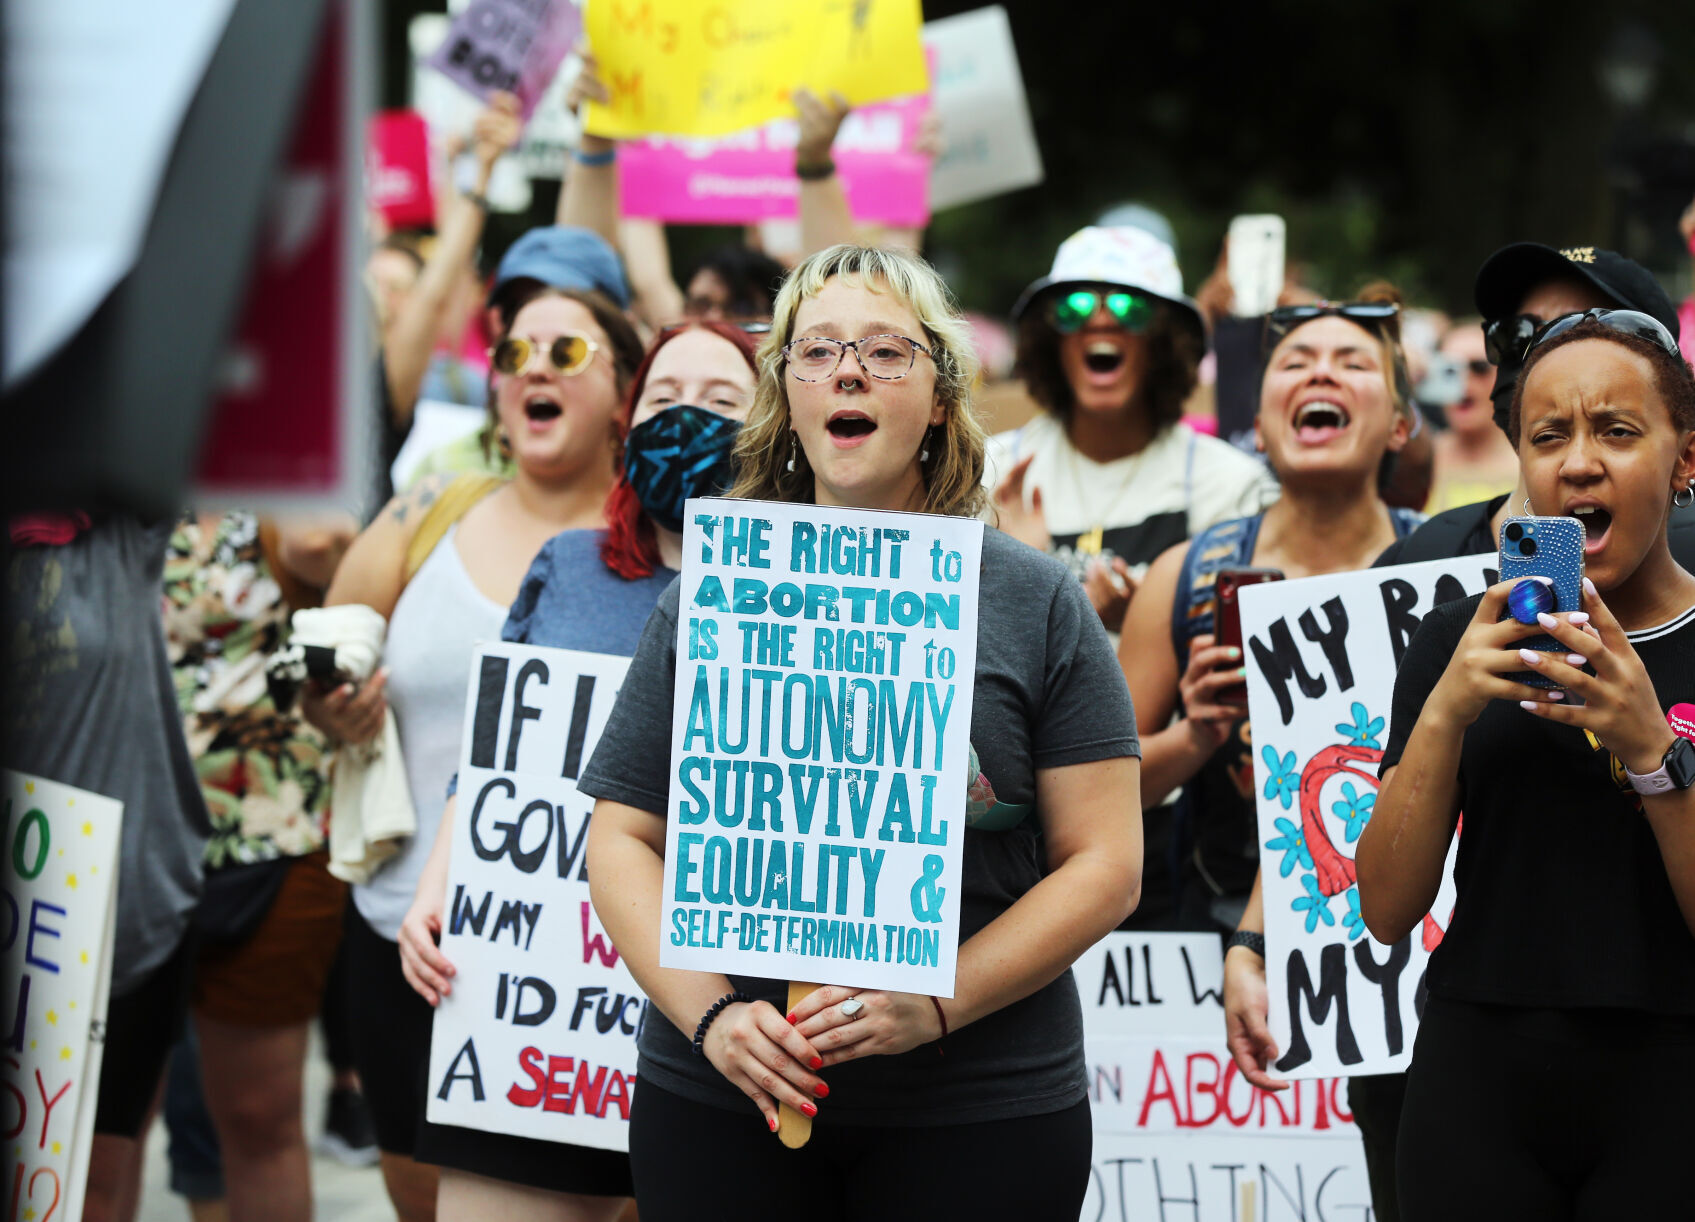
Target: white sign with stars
x=58, y=862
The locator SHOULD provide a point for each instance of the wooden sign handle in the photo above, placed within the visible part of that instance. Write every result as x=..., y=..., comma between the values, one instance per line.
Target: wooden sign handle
x=794, y=1129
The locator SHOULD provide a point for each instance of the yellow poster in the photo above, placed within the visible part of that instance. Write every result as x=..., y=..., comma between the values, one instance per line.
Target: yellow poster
x=710, y=67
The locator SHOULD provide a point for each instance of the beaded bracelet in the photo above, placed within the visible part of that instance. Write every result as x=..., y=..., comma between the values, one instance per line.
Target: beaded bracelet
x=718, y=1007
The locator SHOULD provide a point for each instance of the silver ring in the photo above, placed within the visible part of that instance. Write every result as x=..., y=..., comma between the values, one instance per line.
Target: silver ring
x=852, y=1007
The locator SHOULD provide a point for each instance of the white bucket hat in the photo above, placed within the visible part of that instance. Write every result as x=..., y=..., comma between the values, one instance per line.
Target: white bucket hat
x=1122, y=256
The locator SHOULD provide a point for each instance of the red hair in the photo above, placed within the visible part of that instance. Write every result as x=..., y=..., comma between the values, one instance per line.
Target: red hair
x=631, y=546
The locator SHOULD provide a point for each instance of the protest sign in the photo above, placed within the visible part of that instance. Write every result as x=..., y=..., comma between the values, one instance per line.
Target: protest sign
x=60, y=853
x=397, y=175
x=1176, y=1125
x=682, y=68
x=538, y=1037
x=513, y=46
x=821, y=744
x=1321, y=660
x=988, y=144
x=749, y=176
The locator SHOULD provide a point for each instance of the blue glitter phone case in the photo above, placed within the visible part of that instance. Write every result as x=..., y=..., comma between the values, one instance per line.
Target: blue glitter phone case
x=1544, y=547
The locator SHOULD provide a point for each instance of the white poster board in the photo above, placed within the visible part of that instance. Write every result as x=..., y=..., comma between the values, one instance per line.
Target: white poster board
x=989, y=146
x=1179, y=1133
x=1321, y=655
x=820, y=744
x=58, y=860
x=538, y=1037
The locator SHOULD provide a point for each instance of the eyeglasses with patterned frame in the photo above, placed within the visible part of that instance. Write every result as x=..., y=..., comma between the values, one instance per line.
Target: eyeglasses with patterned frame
x=888, y=358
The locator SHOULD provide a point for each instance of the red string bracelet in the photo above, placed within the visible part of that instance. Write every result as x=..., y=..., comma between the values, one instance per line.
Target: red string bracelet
x=943, y=1019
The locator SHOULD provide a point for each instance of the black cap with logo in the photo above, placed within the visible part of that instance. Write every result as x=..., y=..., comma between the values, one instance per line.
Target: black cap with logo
x=1509, y=274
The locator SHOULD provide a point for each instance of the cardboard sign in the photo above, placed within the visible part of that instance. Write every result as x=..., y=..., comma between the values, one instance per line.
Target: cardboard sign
x=1321, y=659
x=1175, y=1124
x=988, y=144
x=538, y=1037
x=398, y=174
x=514, y=46
x=683, y=68
x=750, y=177
x=59, y=855
x=821, y=744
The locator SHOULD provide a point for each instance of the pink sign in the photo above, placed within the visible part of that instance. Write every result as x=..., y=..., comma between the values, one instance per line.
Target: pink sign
x=511, y=45
x=398, y=174
x=749, y=177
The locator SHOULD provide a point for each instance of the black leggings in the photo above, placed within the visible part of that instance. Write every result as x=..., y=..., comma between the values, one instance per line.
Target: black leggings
x=701, y=1163
x=1546, y=1114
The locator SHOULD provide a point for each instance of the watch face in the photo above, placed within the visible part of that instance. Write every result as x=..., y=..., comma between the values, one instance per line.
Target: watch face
x=1680, y=763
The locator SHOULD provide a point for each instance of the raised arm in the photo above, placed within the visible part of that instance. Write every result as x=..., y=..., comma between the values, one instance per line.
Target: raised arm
x=411, y=340
x=824, y=217
x=589, y=199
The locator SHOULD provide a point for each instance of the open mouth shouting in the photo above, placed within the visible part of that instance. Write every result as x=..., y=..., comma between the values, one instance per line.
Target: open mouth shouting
x=541, y=410
x=1597, y=522
x=1103, y=360
x=849, y=427
x=1319, y=420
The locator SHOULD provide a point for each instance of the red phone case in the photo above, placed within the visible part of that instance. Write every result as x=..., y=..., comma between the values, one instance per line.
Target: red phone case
x=1227, y=616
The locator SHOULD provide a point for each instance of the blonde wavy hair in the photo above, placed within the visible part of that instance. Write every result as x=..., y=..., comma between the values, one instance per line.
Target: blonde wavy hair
x=953, y=474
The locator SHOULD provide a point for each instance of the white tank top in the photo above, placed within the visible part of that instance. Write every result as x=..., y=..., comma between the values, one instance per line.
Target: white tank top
x=440, y=618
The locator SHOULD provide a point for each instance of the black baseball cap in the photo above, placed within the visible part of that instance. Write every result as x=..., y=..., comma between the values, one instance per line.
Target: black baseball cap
x=1511, y=272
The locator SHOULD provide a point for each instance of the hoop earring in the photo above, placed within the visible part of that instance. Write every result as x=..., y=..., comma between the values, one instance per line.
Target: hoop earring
x=1687, y=492
x=793, y=445
x=1528, y=511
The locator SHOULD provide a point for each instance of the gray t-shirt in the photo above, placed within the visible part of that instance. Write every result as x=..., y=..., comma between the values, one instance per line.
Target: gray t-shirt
x=90, y=703
x=1048, y=693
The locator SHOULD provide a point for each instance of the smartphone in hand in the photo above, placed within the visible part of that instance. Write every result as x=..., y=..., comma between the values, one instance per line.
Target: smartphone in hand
x=1550, y=547
x=1227, y=617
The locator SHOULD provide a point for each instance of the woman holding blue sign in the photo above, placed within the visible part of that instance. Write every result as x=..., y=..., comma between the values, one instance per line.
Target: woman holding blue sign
x=863, y=403
x=1570, y=943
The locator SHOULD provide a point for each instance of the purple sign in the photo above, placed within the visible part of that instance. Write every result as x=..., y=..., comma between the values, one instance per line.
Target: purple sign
x=511, y=45
x=749, y=177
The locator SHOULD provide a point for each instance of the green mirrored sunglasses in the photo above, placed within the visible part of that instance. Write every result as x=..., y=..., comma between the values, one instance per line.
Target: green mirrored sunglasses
x=1071, y=311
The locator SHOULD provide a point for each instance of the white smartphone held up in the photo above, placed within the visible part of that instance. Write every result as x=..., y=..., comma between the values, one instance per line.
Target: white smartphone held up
x=1256, y=263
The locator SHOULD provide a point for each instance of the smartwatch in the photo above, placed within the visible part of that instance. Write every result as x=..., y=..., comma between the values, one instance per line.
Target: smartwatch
x=1676, y=770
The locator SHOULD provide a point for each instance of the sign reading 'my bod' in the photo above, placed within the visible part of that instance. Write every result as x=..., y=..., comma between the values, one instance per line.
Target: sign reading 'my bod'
x=538, y=1037
x=1321, y=657
x=820, y=744
x=58, y=871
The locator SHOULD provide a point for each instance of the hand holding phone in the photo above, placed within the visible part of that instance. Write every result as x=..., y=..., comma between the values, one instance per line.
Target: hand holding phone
x=1227, y=617
x=1550, y=548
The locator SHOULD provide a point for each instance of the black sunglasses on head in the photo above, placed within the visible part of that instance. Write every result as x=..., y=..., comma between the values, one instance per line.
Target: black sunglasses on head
x=1624, y=322
x=1370, y=314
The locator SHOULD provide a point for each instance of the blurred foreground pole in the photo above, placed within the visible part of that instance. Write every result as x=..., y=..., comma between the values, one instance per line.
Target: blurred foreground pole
x=115, y=416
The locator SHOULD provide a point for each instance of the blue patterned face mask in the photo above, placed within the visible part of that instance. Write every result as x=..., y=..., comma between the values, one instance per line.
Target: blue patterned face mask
x=682, y=452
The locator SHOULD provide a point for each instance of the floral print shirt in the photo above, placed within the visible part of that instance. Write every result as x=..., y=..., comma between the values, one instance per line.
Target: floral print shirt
x=264, y=774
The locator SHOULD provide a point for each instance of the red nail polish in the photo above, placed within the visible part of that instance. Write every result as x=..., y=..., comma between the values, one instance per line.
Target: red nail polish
x=822, y=1090
x=772, y=1121
x=818, y=1062
x=791, y=1018
x=811, y=1109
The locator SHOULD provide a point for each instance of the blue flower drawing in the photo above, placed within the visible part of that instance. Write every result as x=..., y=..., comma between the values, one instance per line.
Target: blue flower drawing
x=1314, y=903
x=1364, y=731
x=1355, y=812
x=1352, y=921
x=1294, y=846
x=1282, y=781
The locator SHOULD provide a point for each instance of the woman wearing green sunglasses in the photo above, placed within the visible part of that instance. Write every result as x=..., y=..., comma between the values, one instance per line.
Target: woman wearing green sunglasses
x=1104, y=478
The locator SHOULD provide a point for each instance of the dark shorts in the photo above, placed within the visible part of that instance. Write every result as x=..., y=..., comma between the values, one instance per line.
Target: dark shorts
x=141, y=1028
x=391, y=1048
x=276, y=976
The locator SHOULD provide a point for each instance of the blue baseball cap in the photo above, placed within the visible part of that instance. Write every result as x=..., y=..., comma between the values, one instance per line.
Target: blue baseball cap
x=563, y=257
